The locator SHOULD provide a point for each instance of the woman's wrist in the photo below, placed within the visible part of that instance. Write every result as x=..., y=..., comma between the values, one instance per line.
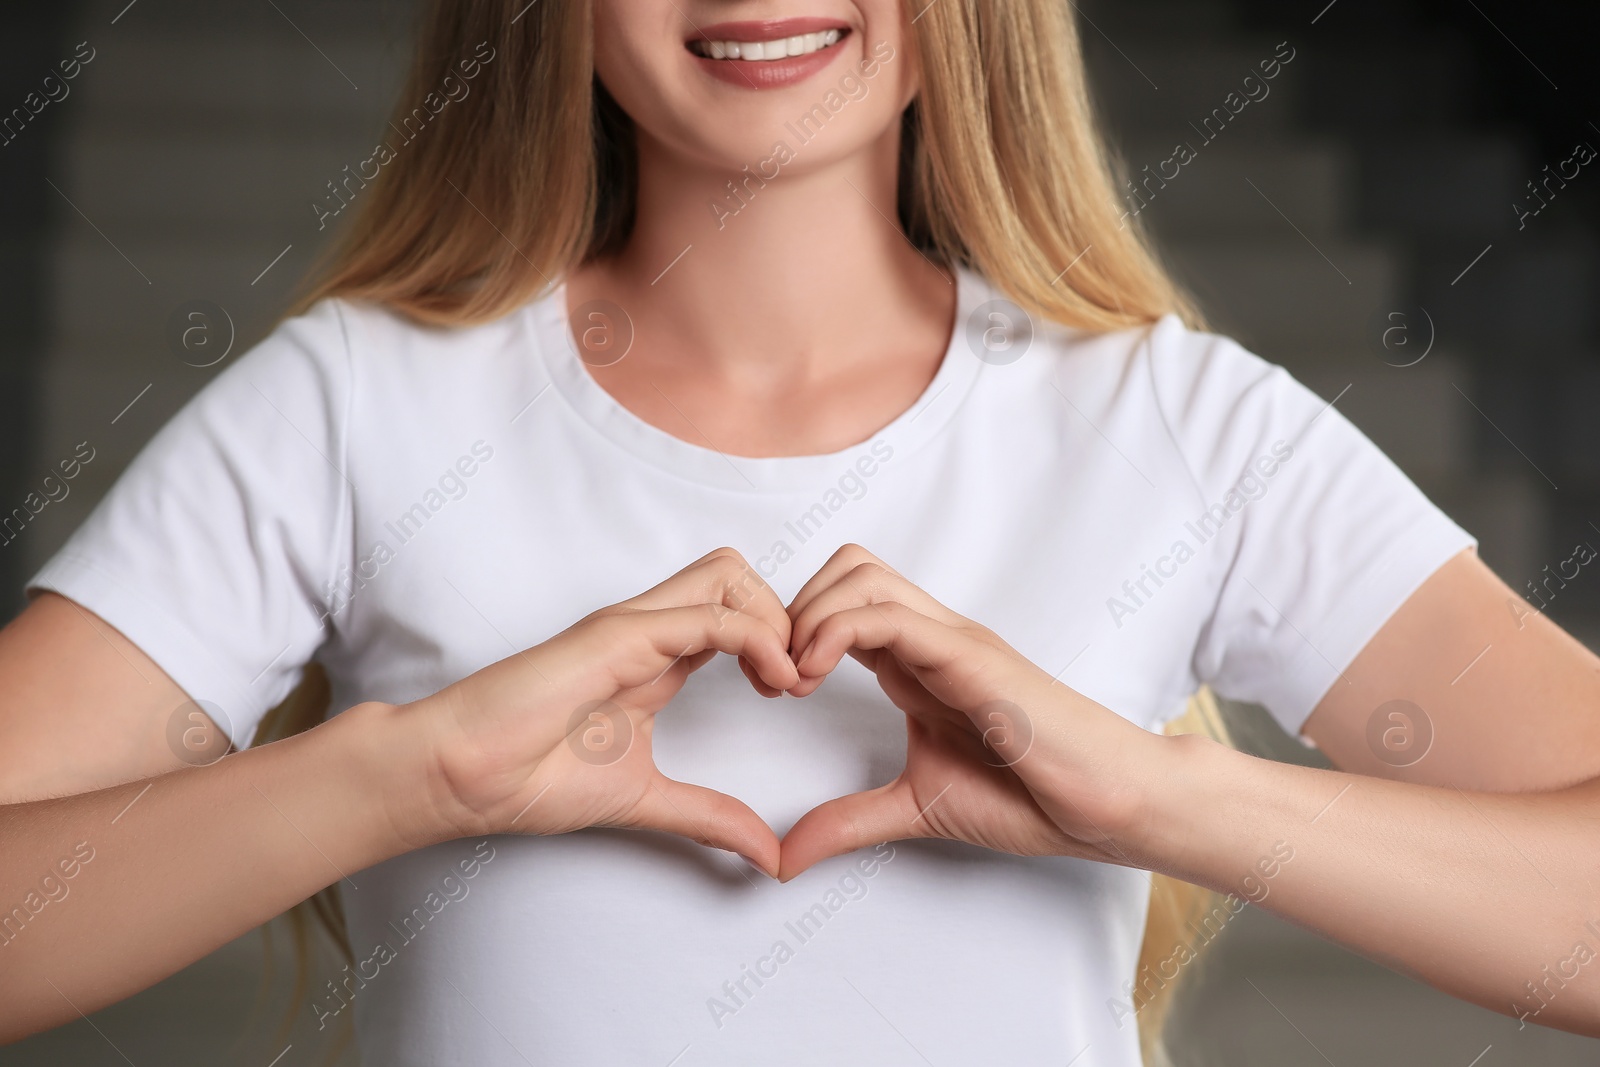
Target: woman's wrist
x=396, y=751
x=1195, y=820
x=1107, y=782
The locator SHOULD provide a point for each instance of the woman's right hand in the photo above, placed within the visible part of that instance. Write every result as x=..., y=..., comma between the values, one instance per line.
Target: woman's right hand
x=557, y=738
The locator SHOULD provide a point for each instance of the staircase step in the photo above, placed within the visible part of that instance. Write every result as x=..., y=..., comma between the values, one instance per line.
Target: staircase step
x=237, y=182
x=1530, y=296
x=1542, y=423
x=1164, y=88
x=1444, y=186
x=1402, y=78
x=1286, y=295
x=375, y=19
x=1239, y=189
x=1118, y=20
x=128, y=315
x=204, y=82
x=1576, y=406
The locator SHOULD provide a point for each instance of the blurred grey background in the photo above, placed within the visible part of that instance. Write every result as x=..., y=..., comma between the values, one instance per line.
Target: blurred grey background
x=1373, y=190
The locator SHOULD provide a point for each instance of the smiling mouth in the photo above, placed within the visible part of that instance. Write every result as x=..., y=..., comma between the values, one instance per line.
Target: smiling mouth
x=775, y=48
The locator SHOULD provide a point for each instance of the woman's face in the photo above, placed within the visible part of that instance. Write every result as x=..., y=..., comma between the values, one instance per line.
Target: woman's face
x=847, y=70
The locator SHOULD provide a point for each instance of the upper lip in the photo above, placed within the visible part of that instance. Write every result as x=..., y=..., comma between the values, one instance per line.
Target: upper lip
x=766, y=29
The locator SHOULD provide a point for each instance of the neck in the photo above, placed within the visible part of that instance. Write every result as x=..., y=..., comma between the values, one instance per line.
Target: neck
x=806, y=270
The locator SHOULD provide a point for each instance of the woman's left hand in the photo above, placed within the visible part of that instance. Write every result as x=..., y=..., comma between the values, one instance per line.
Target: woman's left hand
x=998, y=754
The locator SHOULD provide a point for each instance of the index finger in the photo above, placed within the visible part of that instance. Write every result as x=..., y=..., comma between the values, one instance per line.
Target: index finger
x=846, y=559
x=722, y=576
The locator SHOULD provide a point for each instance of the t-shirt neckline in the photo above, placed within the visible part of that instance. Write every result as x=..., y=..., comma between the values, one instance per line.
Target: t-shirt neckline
x=929, y=414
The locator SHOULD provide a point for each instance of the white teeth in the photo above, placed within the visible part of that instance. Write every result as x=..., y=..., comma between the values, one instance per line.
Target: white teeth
x=782, y=48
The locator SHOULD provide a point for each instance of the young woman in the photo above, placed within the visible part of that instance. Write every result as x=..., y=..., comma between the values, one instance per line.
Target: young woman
x=687, y=353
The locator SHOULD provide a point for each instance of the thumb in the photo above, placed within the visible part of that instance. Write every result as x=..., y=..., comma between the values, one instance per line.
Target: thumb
x=859, y=820
x=709, y=818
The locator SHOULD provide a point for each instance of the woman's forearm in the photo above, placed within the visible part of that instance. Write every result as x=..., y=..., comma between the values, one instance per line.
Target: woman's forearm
x=1490, y=897
x=105, y=893
x=147, y=877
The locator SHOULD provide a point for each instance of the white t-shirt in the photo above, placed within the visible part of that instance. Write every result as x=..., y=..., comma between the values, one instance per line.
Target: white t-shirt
x=1142, y=511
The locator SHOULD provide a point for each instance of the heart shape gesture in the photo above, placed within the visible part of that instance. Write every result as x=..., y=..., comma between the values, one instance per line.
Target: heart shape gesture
x=557, y=737
x=998, y=754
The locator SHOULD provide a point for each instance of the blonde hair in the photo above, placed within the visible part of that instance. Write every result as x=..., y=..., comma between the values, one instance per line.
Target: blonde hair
x=533, y=173
x=1176, y=909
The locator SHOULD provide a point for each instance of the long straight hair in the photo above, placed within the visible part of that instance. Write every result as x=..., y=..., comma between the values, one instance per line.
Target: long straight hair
x=533, y=172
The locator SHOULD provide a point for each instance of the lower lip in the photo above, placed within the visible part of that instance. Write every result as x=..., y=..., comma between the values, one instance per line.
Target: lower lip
x=769, y=74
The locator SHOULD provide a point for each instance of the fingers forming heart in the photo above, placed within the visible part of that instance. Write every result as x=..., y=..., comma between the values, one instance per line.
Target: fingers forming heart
x=945, y=673
x=962, y=689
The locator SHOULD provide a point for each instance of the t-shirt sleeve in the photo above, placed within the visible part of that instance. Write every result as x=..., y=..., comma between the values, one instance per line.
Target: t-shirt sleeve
x=1319, y=537
x=212, y=550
